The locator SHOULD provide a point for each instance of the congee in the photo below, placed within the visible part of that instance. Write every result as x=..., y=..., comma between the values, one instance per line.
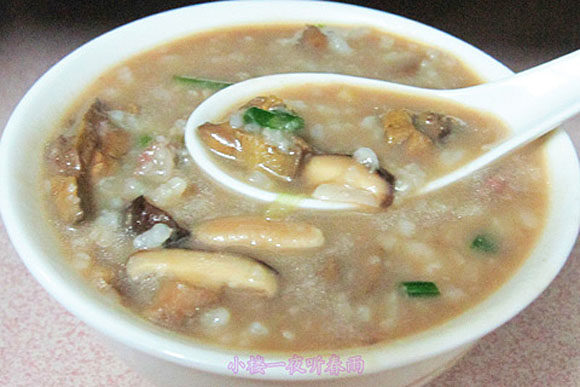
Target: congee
x=141, y=222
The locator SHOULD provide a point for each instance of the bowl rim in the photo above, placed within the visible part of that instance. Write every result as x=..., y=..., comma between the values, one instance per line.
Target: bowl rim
x=158, y=342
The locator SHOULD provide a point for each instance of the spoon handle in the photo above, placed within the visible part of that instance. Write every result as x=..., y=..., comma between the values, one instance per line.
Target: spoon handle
x=531, y=103
x=545, y=95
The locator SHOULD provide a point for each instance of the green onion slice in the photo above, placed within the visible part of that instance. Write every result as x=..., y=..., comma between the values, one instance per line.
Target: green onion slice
x=145, y=140
x=420, y=289
x=484, y=243
x=273, y=119
x=203, y=83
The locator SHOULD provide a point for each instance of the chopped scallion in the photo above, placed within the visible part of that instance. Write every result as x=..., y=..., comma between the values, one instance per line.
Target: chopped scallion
x=203, y=83
x=273, y=119
x=420, y=289
x=484, y=243
x=145, y=140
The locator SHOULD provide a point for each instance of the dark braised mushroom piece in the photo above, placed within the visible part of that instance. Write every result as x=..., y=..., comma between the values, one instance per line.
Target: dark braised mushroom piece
x=100, y=143
x=436, y=126
x=266, y=139
x=400, y=131
x=142, y=216
x=77, y=160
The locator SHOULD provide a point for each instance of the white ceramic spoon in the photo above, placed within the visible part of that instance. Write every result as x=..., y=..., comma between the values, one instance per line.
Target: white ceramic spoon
x=530, y=103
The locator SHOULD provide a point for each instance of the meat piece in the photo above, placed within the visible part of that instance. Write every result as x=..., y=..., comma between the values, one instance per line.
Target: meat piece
x=314, y=39
x=176, y=301
x=436, y=126
x=252, y=151
x=142, y=216
x=399, y=130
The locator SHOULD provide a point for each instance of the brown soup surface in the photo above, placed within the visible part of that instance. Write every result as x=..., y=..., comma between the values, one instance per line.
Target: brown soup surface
x=144, y=225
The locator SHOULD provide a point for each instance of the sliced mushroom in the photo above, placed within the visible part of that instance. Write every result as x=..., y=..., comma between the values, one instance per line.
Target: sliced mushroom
x=204, y=269
x=344, y=179
x=141, y=216
x=399, y=130
x=260, y=233
x=252, y=151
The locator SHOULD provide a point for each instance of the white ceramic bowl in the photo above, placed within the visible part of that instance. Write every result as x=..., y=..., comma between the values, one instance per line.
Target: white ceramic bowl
x=170, y=358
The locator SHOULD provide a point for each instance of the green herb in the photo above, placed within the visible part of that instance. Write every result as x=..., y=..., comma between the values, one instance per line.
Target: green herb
x=484, y=243
x=420, y=289
x=274, y=119
x=145, y=140
x=320, y=25
x=203, y=83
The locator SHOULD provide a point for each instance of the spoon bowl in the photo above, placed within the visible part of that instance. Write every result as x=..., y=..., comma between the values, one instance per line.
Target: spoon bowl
x=546, y=96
